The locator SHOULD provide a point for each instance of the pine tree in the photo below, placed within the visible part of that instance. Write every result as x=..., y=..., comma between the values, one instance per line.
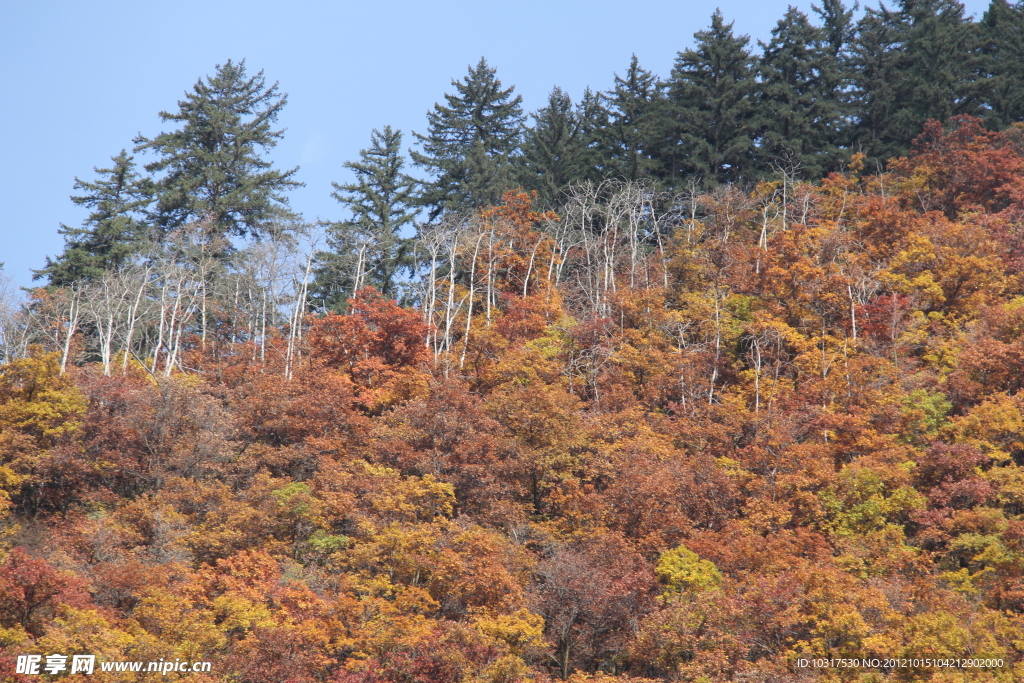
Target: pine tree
x=1002, y=30
x=470, y=143
x=212, y=167
x=368, y=249
x=112, y=234
x=918, y=62
x=942, y=60
x=594, y=120
x=714, y=119
x=630, y=137
x=874, y=63
x=800, y=84
x=554, y=149
x=837, y=24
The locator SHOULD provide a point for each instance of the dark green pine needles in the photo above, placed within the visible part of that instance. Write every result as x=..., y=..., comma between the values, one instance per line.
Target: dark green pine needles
x=634, y=107
x=714, y=118
x=917, y=62
x=1002, y=40
x=801, y=95
x=211, y=168
x=470, y=144
x=555, y=149
x=368, y=249
x=112, y=234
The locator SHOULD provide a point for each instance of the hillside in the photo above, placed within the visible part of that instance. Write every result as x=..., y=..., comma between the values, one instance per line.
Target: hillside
x=663, y=435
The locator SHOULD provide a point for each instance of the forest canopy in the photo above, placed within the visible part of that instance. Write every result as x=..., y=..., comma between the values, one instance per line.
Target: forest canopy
x=693, y=380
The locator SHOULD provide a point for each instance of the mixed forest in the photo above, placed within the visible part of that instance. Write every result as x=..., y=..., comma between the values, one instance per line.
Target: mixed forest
x=687, y=381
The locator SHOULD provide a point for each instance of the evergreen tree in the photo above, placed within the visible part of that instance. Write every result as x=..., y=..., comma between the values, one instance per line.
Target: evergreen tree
x=712, y=103
x=112, y=234
x=873, y=66
x=368, y=249
x=800, y=84
x=912, y=64
x=942, y=61
x=594, y=121
x=1002, y=30
x=630, y=137
x=837, y=24
x=470, y=143
x=554, y=149
x=212, y=166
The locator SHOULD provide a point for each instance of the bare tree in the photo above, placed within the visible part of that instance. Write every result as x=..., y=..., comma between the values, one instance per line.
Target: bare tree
x=610, y=232
x=14, y=328
x=301, y=293
x=106, y=305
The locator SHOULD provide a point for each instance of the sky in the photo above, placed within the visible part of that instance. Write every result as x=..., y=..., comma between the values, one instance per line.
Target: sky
x=82, y=79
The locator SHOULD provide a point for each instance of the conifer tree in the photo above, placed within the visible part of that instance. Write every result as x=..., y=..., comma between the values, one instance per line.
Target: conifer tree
x=873, y=66
x=554, y=148
x=714, y=119
x=837, y=24
x=212, y=167
x=630, y=137
x=594, y=120
x=800, y=85
x=112, y=234
x=1002, y=30
x=917, y=62
x=942, y=60
x=369, y=248
x=470, y=144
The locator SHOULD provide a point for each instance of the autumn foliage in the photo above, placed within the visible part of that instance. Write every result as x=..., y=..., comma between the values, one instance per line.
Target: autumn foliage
x=790, y=428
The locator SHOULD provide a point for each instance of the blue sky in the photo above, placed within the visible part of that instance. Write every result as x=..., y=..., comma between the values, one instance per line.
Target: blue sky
x=81, y=79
